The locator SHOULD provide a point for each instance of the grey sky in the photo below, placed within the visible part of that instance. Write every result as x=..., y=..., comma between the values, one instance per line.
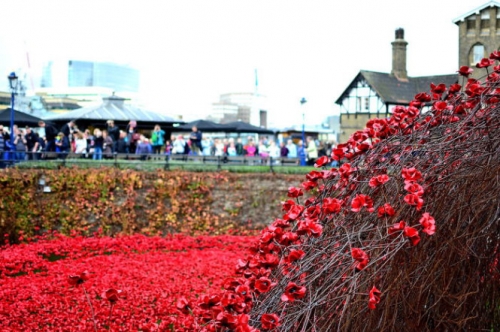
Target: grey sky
x=191, y=51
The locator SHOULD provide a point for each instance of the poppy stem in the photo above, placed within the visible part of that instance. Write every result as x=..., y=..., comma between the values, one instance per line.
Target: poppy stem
x=91, y=308
x=110, y=312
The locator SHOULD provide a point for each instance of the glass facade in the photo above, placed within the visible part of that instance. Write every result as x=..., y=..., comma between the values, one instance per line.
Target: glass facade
x=91, y=74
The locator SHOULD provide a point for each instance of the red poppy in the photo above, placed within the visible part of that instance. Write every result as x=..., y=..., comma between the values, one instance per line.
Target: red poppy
x=295, y=192
x=495, y=55
x=374, y=298
x=294, y=212
x=414, y=188
x=454, y=88
x=288, y=238
x=429, y=224
x=411, y=174
x=263, y=284
x=293, y=292
x=440, y=105
x=386, y=209
x=314, y=175
x=310, y=227
x=332, y=205
x=321, y=161
x=397, y=227
x=378, y=180
x=269, y=321
x=438, y=89
x=484, y=63
x=183, y=305
x=308, y=185
x=423, y=97
x=112, y=295
x=412, y=234
x=295, y=255
x=361, y=257
x=78, y=279
x=415, y=200
x=361, y=201
x=338, y=153
x=465, y=71
x=286, y=205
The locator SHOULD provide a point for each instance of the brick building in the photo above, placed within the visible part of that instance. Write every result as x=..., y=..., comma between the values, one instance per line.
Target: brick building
x=478, y=33
x=374, y=94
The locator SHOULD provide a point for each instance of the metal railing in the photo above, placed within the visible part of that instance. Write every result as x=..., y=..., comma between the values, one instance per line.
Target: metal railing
x=119, y=160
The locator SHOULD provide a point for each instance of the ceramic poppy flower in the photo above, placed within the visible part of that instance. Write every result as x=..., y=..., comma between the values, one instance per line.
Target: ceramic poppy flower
x=411, y=174
x=78, y=279
x=428, y=222
x=263, y=285
x=294, y=212
x=440, y=105
x=183, y=305
x=423, y=97
x=484, y=63
x=320, y=162
x=308, y=185
x=465, y=71
x=396, y=227
x=385, y=210
x=332, y=205
x=414, y=188
x=314, y=175
x=454, y=88
x=378, y=180
x=414, y=200
x=438, y=89
x=112, y=295
x=310, y=227
x=412, y=234
x=269, y=321
x=495, y=55
x=374, y=298
x=286, y=205
x=293, y=292
x=361, y=201
x=361, y=257
x=294, y=255
x=294, y=192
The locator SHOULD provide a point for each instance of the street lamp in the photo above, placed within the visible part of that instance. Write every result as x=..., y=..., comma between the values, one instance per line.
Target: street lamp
x=13, y=88
x=303, y=157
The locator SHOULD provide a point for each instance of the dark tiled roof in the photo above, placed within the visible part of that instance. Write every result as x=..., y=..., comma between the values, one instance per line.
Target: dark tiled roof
x=394, y=91
x=112, y=108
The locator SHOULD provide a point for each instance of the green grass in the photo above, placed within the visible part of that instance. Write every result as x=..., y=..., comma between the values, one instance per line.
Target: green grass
x=151, y=165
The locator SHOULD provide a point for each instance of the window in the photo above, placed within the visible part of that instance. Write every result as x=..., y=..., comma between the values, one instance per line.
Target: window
x=476, y=54
x=358, y=104
x=367, y=103
x=485, y=21
x=471, y=23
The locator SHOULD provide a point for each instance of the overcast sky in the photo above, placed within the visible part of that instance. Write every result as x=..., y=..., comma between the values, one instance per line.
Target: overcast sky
x=191, y=51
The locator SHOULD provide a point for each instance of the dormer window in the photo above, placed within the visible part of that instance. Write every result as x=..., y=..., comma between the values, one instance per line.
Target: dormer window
x=485, y=21
x=476, y=54
x=471, y=23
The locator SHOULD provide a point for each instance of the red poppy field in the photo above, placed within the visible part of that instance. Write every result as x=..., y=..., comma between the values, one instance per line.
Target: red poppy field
x=132, y=283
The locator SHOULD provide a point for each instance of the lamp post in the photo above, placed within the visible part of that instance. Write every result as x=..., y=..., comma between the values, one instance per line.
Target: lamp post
x=303, y=156
x=13, y=88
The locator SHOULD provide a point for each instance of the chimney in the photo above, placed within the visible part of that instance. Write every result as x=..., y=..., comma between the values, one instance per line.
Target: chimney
x=399, y=56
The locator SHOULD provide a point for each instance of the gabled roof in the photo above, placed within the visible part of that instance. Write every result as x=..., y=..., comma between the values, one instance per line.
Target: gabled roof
x=394, y=91
x=112, y=108
x=476, y=11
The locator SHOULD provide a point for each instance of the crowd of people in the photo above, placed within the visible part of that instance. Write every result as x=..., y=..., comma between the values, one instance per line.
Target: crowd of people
x=28, y=144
